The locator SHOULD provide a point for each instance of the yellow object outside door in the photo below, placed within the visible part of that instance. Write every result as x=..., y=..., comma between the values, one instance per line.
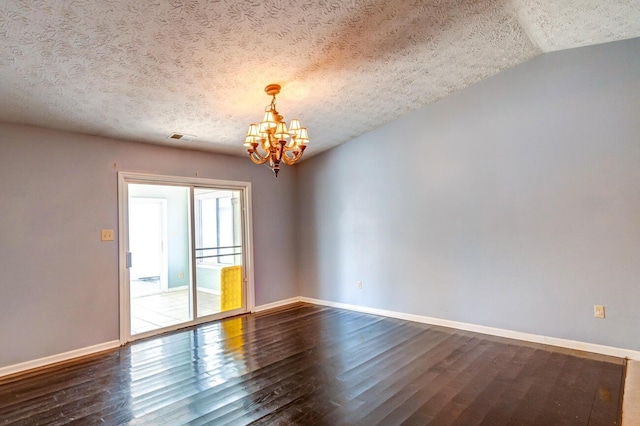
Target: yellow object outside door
x=231, y=288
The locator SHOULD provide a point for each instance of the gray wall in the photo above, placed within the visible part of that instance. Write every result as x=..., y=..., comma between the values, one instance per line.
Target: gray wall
x=59, y=282
x=513, y=204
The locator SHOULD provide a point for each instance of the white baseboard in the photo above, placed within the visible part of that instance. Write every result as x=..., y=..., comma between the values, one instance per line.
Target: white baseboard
x=277, y=304
x=54, y=359
x=536, y=338
x=553, y=341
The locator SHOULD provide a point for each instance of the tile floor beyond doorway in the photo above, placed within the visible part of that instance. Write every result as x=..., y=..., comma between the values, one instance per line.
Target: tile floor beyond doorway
x=152, y=308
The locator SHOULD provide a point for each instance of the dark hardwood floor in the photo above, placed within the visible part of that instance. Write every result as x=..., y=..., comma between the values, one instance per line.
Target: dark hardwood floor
x=313, y=365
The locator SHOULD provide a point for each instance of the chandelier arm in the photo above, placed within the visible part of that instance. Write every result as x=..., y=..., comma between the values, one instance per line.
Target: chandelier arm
x=266, y=150
x=289, y=161
x=297, y=154
x=257, y=158
x=296, y=147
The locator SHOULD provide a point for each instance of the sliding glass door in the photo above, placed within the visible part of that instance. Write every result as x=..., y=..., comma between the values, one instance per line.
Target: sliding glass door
x=218, y=250
x=184, y=246
x=159, y=246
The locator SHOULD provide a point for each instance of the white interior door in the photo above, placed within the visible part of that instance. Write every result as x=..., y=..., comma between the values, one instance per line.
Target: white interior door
x=147, y=231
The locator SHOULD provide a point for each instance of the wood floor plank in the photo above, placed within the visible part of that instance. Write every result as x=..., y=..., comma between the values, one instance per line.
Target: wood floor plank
x=309, y=364
x=398, y=376
x=398, y=406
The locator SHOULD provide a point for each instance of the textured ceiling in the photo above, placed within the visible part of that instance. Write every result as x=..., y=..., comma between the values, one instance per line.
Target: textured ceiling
x=141, y=69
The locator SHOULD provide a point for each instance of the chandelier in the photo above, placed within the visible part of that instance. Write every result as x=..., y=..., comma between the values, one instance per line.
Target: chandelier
x=270, y=137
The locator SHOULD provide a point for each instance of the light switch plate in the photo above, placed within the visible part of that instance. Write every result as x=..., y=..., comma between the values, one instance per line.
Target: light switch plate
x=598, y=311
x=106, y=235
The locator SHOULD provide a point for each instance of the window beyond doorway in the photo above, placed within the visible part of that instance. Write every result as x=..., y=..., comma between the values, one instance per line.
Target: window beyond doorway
x=216, y=236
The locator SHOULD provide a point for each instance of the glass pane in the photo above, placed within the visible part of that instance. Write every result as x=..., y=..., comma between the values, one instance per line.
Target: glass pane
x=159, y=242
x=218, y=236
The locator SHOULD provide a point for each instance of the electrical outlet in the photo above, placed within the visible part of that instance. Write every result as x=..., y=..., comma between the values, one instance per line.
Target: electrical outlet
x=598, y=311
x=180, y=275
x=359, y=285
x=106, y=235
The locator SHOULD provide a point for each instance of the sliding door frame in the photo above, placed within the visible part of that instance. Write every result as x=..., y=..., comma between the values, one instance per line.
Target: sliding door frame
x=124, y=178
